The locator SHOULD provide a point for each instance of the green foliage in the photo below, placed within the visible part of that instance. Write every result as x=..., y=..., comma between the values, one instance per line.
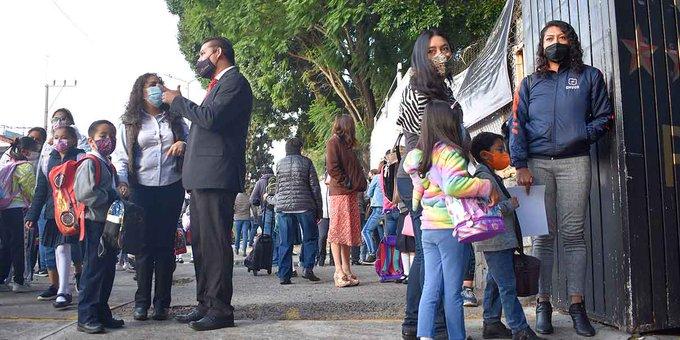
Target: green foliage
x=309, y=60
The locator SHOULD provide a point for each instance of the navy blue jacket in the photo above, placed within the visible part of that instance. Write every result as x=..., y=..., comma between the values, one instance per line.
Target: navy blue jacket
x=559, y=115
x=43, y=190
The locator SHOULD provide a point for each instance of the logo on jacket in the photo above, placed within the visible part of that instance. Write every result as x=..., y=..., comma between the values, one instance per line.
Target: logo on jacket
x=572, y=84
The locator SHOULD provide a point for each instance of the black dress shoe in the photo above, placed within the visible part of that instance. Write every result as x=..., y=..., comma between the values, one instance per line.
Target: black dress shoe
x=544, y=317
x=496, y=330
x=580, y=319
x=194, y=315
x=113, y=323
x=526, y=334
x=211, y=322
x=409, y=333
x=140, y=314
x=160, y=314
x=309, y=275
x=285, y=282
x=90, y=328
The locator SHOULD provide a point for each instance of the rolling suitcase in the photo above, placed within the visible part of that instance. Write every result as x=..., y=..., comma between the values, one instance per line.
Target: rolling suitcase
x=260, y=258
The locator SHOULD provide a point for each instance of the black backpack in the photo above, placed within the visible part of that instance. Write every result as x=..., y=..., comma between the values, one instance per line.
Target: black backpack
x=123, y=230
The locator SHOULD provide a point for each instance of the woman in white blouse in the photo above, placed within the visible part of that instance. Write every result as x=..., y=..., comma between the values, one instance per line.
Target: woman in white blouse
x=148, y=159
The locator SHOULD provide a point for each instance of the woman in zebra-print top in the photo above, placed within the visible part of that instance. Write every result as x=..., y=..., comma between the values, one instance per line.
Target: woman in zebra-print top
x=431, y=75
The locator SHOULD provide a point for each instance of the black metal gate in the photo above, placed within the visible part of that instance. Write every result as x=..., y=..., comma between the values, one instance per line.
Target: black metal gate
x=634, y=217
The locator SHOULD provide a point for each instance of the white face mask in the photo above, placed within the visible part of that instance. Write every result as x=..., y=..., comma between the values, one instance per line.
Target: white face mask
x=33, y=156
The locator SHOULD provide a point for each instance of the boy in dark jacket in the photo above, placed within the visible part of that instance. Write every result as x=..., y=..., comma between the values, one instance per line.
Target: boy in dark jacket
x=94, y=314
x=500, y=293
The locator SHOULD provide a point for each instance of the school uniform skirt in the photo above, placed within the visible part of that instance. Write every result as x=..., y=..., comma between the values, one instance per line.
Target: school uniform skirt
x=53, y=238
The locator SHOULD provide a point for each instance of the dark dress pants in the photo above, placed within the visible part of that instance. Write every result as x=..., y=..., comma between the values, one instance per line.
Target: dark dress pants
x=96, y=280
x=156, y=262
x=212, y=217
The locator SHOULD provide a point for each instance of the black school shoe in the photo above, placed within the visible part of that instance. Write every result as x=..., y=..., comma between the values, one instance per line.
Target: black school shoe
x=140, y=314
x=68, y=299
x=160, y=314
x=496, y=330
x=113, y=323
x=90, y=328
x=582, y=325
x=49, y=294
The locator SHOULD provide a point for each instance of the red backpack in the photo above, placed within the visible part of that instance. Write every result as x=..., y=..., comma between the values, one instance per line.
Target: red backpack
x=68, y=212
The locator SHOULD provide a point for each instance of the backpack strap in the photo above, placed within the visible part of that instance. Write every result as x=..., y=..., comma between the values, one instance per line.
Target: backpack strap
x=97, y=178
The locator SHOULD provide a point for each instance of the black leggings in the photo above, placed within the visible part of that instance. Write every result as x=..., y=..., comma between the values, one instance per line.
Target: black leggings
x=12, y=244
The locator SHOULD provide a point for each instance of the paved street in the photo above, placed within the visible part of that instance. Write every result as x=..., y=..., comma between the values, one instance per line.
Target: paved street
x=264, y=309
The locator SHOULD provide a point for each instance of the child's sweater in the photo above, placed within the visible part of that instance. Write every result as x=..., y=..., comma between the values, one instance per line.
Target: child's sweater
x=451, y=167
x=96, y=196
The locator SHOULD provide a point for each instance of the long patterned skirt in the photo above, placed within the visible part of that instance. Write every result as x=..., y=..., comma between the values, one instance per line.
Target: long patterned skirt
x=345, y=220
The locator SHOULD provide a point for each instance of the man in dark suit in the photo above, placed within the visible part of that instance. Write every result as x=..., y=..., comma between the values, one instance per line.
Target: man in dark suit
x=214, y=171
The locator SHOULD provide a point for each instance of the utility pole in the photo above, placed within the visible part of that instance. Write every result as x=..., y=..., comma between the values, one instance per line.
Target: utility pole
x=47, y=96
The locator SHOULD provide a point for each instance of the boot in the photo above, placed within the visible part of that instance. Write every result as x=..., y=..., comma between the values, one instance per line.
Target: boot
x=544, y=317
x=526, y=334
x=580, y=319
x=496, y=330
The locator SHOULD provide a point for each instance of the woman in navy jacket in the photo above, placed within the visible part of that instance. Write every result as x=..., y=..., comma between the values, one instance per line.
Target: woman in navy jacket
x=562, y=109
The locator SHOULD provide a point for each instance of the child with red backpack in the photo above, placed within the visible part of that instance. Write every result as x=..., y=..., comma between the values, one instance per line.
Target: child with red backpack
x=17, y=180
x=64, y=144
x=94, y=187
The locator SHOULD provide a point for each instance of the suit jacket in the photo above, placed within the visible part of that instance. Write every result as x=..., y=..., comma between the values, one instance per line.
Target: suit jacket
x=216, y=147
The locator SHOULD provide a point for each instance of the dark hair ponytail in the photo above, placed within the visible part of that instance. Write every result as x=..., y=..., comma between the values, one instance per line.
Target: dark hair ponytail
x=20, y=144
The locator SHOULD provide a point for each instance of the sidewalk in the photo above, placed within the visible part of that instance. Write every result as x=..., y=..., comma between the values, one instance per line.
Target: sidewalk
x=264, y=309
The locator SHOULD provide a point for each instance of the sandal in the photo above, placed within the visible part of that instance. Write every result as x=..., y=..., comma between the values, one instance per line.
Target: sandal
x=354, y=281
x=341, y=280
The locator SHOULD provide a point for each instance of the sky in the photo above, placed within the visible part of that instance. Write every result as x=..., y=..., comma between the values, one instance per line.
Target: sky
x=104, y=45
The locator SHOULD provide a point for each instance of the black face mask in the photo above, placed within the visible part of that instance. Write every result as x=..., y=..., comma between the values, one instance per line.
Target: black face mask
x=206, y=68
x=557, y=52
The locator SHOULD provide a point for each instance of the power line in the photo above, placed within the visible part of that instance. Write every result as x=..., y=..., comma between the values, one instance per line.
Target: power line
x=75, y=25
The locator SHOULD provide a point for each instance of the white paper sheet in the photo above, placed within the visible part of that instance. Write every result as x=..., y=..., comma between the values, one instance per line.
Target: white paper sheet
x=531, y=211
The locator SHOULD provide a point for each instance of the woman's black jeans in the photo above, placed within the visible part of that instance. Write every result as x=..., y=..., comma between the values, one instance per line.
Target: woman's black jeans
x=162, y=206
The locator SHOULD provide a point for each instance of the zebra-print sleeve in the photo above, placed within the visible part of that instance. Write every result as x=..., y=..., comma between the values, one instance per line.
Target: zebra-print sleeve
x=411, y=110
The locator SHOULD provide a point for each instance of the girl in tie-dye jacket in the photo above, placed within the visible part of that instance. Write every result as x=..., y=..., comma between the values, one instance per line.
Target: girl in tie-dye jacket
x=438, y=169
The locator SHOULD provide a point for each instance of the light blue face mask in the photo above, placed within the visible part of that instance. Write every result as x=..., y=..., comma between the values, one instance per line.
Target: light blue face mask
x=154, y=95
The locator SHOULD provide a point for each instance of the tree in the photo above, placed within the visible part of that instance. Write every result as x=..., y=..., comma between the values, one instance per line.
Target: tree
x=322, y=57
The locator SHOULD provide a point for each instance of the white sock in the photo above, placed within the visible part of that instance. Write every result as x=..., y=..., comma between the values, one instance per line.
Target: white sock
x=406, y=262
x=63, y=258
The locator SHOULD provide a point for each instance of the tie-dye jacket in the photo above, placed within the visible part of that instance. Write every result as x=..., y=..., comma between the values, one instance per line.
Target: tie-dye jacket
x=449, y=165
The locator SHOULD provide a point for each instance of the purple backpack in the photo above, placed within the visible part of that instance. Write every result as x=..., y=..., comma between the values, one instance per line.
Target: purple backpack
x=474, y=220
x=7, y=193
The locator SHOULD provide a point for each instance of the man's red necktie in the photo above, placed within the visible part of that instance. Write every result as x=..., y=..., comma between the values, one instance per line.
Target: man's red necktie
x=211, y=85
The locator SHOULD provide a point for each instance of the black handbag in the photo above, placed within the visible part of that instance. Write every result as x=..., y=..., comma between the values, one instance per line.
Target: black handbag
x=123, y=230
x=527, y=268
